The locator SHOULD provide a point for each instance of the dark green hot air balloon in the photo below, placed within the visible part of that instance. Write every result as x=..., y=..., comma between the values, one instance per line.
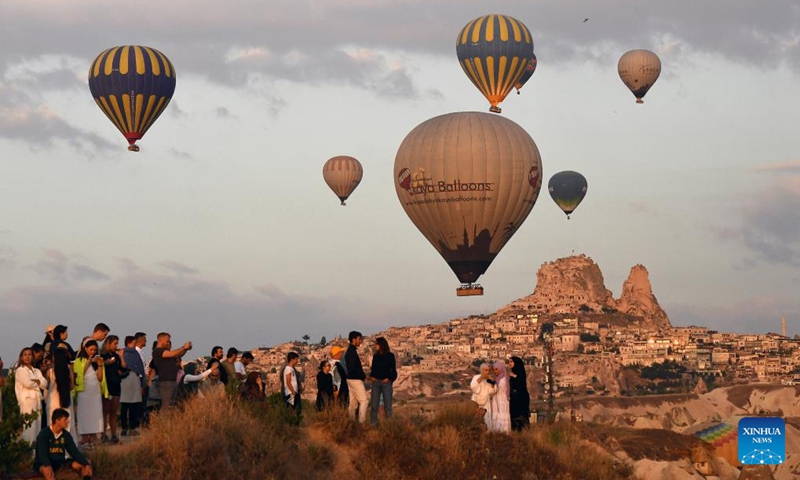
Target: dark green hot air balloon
x=567, y=189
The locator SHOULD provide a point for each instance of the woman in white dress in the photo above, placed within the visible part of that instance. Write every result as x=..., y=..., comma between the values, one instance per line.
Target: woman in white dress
x=501, y=410
x=28, y=385
x=90, y=386
x=483, y=390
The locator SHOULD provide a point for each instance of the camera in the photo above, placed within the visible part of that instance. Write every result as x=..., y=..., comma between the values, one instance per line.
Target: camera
x=490, y=381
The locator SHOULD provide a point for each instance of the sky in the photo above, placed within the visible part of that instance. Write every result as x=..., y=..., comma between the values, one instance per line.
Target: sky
x=221, y=229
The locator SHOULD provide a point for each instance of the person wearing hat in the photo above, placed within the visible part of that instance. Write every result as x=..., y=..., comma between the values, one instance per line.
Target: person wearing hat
x=341, y=394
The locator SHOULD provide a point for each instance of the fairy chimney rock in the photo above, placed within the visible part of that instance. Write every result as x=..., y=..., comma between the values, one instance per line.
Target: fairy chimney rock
x=637, y=298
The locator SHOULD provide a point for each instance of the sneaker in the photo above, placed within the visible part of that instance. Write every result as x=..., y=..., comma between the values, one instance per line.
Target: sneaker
x=105, y=439
x=114, y=440
x=124, y=433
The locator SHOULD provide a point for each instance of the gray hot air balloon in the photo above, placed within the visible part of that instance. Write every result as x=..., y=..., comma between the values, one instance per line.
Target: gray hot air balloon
x=342, y=174
x=468, y=180
x=639, y=70
x=567, y=189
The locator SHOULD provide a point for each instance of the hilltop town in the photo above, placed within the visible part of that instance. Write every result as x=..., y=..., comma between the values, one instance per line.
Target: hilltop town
x=600, y=345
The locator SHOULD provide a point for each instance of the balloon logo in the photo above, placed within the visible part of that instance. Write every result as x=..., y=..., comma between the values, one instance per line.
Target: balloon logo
x=527, y=74
x=132, y=85
x=474, y=178
x=342, y=174
x=567, y=189
x=404, y=178
x=639, y=70
x=494, y=51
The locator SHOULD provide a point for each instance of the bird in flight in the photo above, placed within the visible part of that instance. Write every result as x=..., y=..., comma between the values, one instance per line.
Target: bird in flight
x=585, y=20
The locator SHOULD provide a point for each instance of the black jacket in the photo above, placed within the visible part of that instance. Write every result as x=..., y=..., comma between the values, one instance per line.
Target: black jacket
x=353, y=364
x=383, y=367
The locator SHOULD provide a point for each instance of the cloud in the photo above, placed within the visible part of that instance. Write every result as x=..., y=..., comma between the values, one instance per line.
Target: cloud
x=179, y=268
x=771, y=222
x=7, y=258
x=792, y=166
x=59, y=268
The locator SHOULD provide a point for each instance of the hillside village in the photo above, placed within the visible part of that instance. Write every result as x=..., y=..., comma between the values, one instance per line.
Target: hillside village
x=600, y=345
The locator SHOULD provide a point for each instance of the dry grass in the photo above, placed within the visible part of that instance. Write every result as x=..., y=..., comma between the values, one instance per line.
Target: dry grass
x=221, y=439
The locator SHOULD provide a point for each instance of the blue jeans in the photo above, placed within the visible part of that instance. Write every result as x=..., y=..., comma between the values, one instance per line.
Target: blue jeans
x=379, y=389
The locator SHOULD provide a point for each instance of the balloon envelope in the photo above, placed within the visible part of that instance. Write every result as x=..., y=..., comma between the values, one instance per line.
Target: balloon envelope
x=567, y=189
x=467, y=181
x=132, y=85
x=342, y=174
x=527, y=74
x=494, y=51
x=639, y=70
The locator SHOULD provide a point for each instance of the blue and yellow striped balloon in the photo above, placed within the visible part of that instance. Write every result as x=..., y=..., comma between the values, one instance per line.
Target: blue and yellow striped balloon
x=132, y=85
x=494, y=51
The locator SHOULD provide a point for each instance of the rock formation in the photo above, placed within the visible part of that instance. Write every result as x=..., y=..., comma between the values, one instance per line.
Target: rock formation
x=637, y=297
x=575, y=284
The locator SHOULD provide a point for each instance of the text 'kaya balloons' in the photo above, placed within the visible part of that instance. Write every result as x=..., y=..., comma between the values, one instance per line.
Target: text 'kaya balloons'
x=494, y=51
x=639, y=70
x=342, y=174
x=567, y=189
x=132, y=85
x=527, y=74
x=468, y=180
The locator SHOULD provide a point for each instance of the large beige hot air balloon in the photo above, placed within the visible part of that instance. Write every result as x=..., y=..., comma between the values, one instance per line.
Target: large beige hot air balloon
x=639, y=70
x=342, y=174
x=468, y=180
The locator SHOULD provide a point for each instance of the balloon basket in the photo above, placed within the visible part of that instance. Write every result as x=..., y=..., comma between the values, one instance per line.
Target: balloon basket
x=133, y=148
x=469, y=290
x=639, y=100
x=494, y=109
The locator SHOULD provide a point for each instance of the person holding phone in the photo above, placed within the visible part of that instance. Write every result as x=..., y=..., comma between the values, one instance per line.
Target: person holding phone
x=91, y=389
x=483, y=389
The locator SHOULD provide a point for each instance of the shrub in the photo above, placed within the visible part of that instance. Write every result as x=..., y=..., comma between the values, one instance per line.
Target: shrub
x=15, y=453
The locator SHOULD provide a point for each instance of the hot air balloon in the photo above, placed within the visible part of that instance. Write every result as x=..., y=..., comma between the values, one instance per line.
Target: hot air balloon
x=342, y=174
x=639, y=70
x=132, y=85
x=467, y=181
x=494, y=51
x=527, y=74
x=567, y=189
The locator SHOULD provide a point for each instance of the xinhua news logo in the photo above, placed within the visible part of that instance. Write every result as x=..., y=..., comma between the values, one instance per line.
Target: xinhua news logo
x=762, y=441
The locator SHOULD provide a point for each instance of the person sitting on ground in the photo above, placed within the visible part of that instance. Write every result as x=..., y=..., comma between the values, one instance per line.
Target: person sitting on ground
x=52, y=445
x=189, y=382
x=324, y=386
x=252, y=390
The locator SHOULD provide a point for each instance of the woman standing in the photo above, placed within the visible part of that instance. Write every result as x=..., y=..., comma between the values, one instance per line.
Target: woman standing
x=501, y=414
x=483, y=390
x=28, y=385
x=61, y=375
x=520, y=401
x=90, y=385
x=114, y=369
x=382, y=375
x=324, y=386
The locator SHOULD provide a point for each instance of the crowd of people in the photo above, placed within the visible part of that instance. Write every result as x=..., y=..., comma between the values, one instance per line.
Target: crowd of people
x=101, y=389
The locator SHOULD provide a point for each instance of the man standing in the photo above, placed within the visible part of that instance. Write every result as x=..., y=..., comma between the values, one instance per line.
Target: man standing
x=132, y=398
x=165, y=362
x=355, y=378
x=100, y=333
x=52, y=445
x=228, y=363
x=216, y=357
x=241, y=365
x=291, y=384
x=341, y=393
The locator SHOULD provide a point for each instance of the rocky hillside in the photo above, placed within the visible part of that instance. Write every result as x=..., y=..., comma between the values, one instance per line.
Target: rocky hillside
x=575, y=284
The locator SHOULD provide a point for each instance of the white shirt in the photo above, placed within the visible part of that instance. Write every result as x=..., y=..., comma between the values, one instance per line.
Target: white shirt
x=238, y=367
x=337, y=379
x=289, y=371
x=146, y=365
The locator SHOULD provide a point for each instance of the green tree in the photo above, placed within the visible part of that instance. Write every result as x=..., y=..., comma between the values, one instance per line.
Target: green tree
x=15, y=453
x=306, y=338
x=323, y=340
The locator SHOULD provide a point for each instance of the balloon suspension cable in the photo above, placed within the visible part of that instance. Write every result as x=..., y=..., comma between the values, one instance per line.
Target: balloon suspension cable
x=133, y=148
x=494, y=109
